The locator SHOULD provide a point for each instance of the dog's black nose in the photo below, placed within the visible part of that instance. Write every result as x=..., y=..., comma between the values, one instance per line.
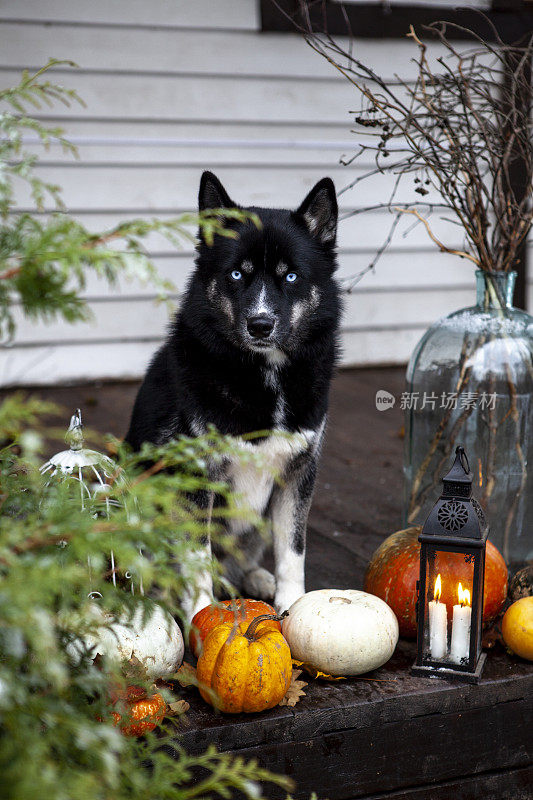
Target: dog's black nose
x=260, y=327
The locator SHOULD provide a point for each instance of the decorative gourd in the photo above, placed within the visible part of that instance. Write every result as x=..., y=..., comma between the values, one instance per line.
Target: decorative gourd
x=517, y=628
x=341, y=631
x=155, y=643
x=244, y=667
x=394, y=570
x=143, y=712
x=227, y=611
x=521, y=584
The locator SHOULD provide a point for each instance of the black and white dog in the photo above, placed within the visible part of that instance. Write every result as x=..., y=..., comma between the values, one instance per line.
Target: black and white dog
x=252, y=348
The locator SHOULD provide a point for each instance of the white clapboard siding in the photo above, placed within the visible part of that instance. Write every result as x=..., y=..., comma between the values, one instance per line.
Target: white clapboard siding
x=195, y=97
x=177, y=134
x=358, y=235
x=395, y=271
x=237, y=14
x=191, y=152
x=156, y=186
x=46, y=362
x=138, y=314
x=177, y=52
x=172, y=87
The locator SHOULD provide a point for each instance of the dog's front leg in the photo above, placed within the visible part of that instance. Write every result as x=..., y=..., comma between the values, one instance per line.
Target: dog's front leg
x=290, y=507
x=198, y=592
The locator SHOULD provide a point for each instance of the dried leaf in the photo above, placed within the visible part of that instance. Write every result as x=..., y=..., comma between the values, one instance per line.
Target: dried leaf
x=295, y=690
x=186, y=675
x=178, y=708
x=315, y=673
x=135, y=669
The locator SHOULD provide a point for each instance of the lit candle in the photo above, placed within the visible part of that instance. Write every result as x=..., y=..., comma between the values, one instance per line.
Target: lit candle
x=462, y=616
x=438, y=623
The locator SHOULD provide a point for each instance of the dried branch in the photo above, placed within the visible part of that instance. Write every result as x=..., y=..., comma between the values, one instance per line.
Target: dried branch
x=442, y=247
x=452, y=129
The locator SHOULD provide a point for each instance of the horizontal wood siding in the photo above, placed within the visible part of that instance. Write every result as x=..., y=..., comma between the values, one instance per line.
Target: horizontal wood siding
x=173, y=87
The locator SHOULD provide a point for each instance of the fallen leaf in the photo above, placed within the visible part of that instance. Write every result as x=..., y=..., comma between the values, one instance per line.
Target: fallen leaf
x=186, y=675
x=315, y=673
x=178, y=708
x=135, y=670
x=295, y=690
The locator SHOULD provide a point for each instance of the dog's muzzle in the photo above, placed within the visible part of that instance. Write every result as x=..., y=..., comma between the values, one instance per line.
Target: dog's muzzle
x=260, y=326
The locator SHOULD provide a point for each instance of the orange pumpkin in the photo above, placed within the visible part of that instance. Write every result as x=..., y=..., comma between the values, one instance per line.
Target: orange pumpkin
x=144, y=712
x=226, y=611
x=394, y=570
x=245, y=667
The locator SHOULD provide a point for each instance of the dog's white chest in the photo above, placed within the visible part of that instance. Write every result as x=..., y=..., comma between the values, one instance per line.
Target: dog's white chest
x=253, y=475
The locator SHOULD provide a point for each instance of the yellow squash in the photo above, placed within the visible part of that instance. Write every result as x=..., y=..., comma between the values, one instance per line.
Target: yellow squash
x=244, y=667
x=517, y=628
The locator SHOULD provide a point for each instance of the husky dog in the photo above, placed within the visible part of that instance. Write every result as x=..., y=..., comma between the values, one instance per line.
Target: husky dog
x=253, y=348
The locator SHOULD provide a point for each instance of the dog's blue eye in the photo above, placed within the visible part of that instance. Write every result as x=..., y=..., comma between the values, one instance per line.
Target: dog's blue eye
x=236, y=275
x=291, y=277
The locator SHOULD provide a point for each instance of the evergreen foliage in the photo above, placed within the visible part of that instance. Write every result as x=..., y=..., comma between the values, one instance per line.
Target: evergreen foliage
x=45, y=258
x=57, y=740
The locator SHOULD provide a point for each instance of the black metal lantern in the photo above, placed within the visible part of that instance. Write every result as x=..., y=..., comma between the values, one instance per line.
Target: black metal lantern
x=452, y=572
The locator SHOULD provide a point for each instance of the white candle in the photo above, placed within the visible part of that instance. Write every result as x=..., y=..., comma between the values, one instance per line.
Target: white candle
x=462, y=617
x=438, y=624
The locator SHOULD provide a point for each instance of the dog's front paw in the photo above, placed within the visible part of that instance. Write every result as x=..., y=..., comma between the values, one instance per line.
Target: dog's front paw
x=259, y=583
x=286, y=596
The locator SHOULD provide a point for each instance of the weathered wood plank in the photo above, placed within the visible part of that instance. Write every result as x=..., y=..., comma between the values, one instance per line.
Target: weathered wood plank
x=360, y=737
x=387, y=696
x=515, y=784
x=359, y=762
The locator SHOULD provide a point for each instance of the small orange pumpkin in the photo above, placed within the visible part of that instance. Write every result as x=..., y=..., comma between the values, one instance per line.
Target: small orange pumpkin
x=143, y=712
x=245, y=667
x=226, y=611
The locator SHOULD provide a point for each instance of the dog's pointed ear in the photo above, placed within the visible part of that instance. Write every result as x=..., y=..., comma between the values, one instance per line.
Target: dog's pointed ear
x=319, y=211
x=212, y=194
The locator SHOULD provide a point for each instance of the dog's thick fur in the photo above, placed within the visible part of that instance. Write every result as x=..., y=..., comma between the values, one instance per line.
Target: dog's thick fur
x=252, y=348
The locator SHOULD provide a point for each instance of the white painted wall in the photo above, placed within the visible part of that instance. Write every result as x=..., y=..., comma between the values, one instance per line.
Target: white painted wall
x=173, y=87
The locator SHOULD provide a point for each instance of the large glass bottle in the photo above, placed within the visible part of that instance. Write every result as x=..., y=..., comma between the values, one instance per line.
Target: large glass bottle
x=470, y=382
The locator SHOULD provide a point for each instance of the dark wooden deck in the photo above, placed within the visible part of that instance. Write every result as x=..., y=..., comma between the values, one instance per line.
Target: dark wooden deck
x=396, y=737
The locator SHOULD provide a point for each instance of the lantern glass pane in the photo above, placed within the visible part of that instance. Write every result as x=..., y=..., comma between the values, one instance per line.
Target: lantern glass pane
x=448, y=597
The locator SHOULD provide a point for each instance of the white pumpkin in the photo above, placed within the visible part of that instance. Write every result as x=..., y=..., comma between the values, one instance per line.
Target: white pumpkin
x=157, y=643
x=341, y=631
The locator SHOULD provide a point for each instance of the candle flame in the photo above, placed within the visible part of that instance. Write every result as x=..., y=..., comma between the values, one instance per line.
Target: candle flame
x=464, y=595
x=438, y=588
x=480, y=473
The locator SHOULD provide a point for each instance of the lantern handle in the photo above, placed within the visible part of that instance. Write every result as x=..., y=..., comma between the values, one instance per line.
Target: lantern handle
x=463, y=458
